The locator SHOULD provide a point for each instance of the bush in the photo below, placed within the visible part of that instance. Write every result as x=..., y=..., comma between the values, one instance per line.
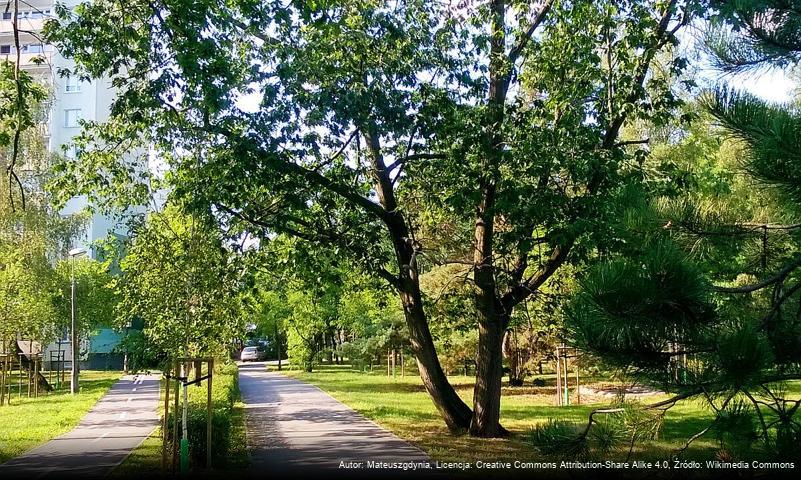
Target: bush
x=142, y=354
x=559, y=438
x=224, y=393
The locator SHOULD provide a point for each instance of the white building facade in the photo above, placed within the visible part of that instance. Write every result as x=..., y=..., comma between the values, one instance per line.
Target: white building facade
x=71, y=100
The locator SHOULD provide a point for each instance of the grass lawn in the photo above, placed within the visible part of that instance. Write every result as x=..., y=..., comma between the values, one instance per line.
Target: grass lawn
x=30, y=422
x=401, y=405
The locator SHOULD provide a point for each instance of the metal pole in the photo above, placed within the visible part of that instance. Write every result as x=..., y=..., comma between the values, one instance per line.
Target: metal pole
x=175, y=418
x=73, y=334
x=165, y=422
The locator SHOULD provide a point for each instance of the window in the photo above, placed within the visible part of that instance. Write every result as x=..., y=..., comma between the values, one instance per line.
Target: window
x=5, y=49
x=72, y=84
x=72, y=152
x=7, y=15
x=71, y=117
x=33, y=48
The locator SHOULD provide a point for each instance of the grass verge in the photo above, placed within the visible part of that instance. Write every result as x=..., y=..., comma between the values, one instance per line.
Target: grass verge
x=30, y=422
x=401, y=405
x=146, y=459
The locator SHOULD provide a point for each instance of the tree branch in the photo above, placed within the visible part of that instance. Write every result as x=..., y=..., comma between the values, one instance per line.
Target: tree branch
x=313, y=177
x=415, y=156
x=521, y=44
x=780, y=276
x=642, y=72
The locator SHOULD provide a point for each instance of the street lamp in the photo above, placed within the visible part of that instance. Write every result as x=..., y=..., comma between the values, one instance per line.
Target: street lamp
x=75, y=252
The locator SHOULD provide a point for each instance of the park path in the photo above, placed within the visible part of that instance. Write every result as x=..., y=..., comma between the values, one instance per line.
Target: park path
x=296, y=427
x=117, y=424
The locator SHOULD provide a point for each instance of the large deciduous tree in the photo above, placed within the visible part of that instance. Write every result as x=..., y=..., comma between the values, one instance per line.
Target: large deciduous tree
x=399, y=133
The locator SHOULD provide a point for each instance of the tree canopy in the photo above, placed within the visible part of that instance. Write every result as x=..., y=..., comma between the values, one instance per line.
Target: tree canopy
x=400, y=134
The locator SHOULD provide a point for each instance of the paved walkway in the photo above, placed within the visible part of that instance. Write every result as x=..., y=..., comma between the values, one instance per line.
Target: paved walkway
x=116, y=425
x=296, y=427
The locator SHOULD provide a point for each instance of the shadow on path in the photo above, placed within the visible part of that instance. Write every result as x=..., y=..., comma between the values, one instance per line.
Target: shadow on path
x=116, y=425
x=294, y=427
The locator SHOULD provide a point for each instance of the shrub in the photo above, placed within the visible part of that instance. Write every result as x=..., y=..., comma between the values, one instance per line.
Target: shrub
x=224, y=393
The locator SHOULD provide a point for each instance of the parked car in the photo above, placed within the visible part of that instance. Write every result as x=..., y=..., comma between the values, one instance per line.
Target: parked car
x=250, y=354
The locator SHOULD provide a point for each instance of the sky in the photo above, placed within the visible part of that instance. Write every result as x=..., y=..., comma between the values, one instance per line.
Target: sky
x=773, y=86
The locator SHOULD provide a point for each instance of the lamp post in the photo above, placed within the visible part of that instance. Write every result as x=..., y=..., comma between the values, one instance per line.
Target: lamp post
x=75, y=252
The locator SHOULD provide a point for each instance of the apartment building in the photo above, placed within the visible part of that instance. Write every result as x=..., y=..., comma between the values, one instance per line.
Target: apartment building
x=72, y=100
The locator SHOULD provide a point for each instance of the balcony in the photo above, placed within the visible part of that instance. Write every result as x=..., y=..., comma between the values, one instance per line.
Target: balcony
x=27, y=60
x=30, y=24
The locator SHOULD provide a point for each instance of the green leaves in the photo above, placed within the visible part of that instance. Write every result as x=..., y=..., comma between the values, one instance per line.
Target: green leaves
x=772, y=133
x=182, y=281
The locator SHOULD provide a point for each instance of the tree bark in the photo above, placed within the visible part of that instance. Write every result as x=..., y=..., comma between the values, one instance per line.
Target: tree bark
x=486, y=421
x=453, y=410
x=489, y=357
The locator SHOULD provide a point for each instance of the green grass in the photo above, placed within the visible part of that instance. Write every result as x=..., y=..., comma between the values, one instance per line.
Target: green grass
x=146, y=459
x=401, y=405
x=30, y=422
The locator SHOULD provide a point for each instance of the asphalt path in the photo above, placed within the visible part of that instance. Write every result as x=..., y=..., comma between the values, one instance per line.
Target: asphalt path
x=294, y=427
x=116, y=425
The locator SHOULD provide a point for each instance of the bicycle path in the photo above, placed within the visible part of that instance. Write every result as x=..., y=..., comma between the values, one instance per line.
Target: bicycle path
x=294, y=427
x=112, y=429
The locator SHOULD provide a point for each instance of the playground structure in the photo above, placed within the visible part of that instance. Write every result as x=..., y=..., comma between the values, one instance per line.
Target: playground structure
x=180, y=371
x=564, y=355
x=21, y=367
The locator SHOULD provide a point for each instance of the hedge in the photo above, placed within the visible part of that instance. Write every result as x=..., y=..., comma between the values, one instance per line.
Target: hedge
x=224, y=393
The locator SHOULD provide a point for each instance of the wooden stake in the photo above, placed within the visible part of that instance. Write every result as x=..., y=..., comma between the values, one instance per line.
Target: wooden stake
x=165, y=422
x=209, y=416
x=558, y=378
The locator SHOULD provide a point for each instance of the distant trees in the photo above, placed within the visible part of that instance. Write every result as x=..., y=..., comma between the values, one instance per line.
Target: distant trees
x=324, y=307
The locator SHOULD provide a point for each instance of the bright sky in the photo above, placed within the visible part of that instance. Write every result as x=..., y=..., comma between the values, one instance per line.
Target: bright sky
x=773, y=85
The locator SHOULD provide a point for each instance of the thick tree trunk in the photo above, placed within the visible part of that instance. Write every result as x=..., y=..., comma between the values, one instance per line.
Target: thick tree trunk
x=491, y=327
x=454, y=411
x=486, y=421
